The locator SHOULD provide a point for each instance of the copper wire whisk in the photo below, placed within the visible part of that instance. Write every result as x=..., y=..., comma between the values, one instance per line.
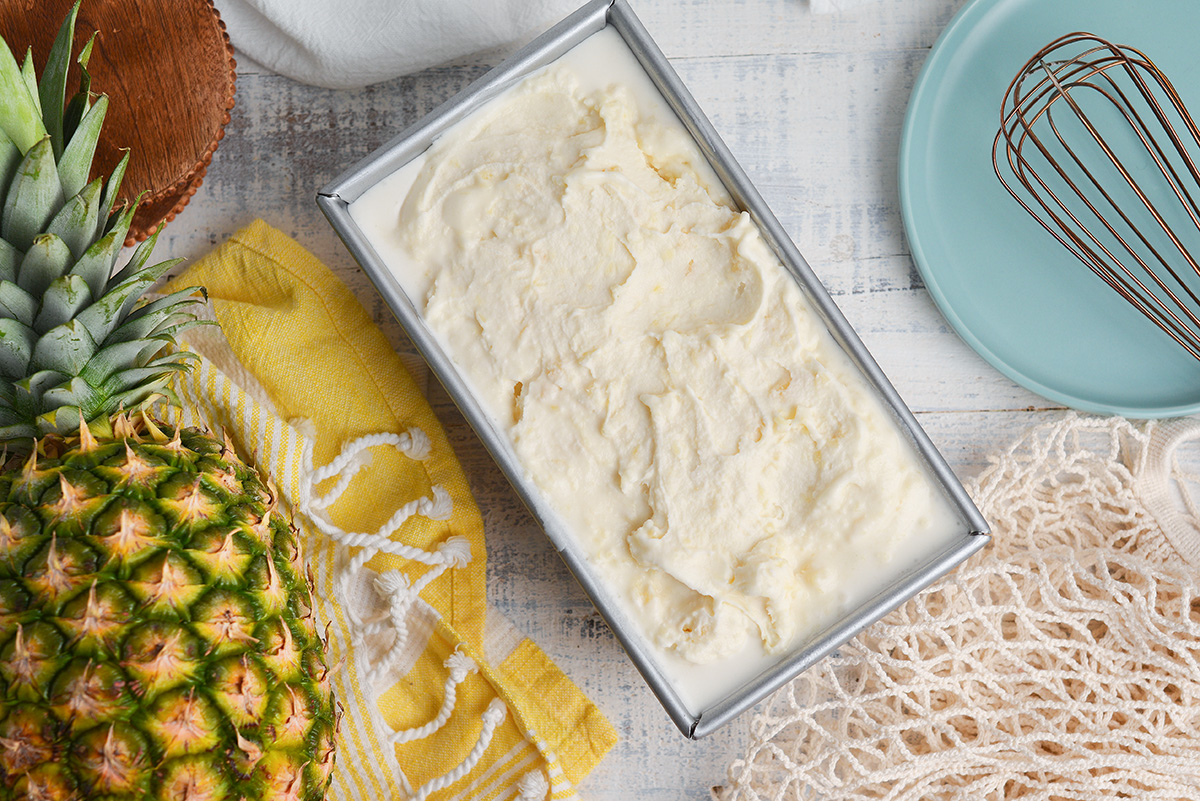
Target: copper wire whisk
x=1096, y=144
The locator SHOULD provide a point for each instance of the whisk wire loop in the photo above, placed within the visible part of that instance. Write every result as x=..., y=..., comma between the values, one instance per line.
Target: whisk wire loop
x=1116, y=180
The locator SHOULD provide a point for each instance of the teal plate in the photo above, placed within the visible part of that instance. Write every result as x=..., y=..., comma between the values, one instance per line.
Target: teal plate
x=1013, y=293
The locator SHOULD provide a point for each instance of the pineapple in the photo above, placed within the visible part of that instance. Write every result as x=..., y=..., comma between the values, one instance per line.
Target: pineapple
x=157, y=638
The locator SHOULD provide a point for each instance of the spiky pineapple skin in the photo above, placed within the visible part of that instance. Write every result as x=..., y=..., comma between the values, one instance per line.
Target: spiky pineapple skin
x=157, y=638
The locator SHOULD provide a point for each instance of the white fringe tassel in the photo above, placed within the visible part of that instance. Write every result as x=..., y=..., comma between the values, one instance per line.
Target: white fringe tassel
x=493, y=716
x=460, y=666
x=533, y=786
x=400, y=593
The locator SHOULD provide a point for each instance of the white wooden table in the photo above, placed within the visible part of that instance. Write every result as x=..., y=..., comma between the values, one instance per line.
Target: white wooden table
x=812, y=107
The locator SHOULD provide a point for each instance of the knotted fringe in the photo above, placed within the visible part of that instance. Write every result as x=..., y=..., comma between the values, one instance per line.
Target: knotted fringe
x=460, y=666
x=533, y=786
x=397, y=591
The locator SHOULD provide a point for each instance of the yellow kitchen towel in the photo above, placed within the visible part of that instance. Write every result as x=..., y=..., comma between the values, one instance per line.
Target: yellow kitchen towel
x=442, y=698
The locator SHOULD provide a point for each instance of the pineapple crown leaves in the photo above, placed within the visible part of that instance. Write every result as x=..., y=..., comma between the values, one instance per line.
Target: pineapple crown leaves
x=73, y=338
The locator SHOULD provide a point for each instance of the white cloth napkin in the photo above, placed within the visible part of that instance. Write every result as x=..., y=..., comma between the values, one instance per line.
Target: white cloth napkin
x=342, y=44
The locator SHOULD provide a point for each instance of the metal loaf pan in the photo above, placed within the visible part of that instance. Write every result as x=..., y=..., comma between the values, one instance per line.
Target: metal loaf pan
x=334, y=201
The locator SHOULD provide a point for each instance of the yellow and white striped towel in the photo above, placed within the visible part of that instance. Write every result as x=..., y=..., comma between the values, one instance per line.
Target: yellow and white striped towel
x=442, y=698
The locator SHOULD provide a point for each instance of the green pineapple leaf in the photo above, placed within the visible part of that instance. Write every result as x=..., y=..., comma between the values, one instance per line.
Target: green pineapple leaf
x=10, y=159
x=63, y=420
x=160, y=387
x=166, y=322
x=108, y=205
x=30, y=76
x=76, y=225
x=136, y=262
x=176, y=300
x=64, y=299
x=33, y=197
x=19, y=115
x=119, y=384
x=16, y=433
x=178, y=311
x=79, y=103
x=97, y=262
x=172, y=328
x=18, y=303
x=47, y=258
x=102, y=316
x=166, y=315
x=16, y=347
x=24, y=399
x=53, y=88
x=76, y=159
x=29, y=390
x=76, y=393
x=108, y=360
x=65, y=348
x=10, y=258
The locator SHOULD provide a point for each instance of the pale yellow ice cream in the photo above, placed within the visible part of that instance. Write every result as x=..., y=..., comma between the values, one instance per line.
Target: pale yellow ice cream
x=724, y=467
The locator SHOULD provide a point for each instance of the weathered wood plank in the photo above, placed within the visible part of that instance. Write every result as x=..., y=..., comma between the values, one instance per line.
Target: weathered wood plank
x=697, y=28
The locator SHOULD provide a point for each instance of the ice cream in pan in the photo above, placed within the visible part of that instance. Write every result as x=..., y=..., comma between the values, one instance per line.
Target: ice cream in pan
x=733, y=482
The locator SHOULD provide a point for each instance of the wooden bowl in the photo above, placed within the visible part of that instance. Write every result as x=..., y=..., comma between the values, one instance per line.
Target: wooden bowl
x=168, y=70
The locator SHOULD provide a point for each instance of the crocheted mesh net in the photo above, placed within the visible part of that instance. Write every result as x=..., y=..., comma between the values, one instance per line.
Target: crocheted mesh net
x=1062, y=663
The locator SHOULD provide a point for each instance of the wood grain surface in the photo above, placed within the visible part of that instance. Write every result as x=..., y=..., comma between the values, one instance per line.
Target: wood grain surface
x=812, y=107
x=170, y=111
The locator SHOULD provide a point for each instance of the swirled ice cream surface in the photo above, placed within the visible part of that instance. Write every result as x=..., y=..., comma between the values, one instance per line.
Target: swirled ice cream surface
x=725, y=468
